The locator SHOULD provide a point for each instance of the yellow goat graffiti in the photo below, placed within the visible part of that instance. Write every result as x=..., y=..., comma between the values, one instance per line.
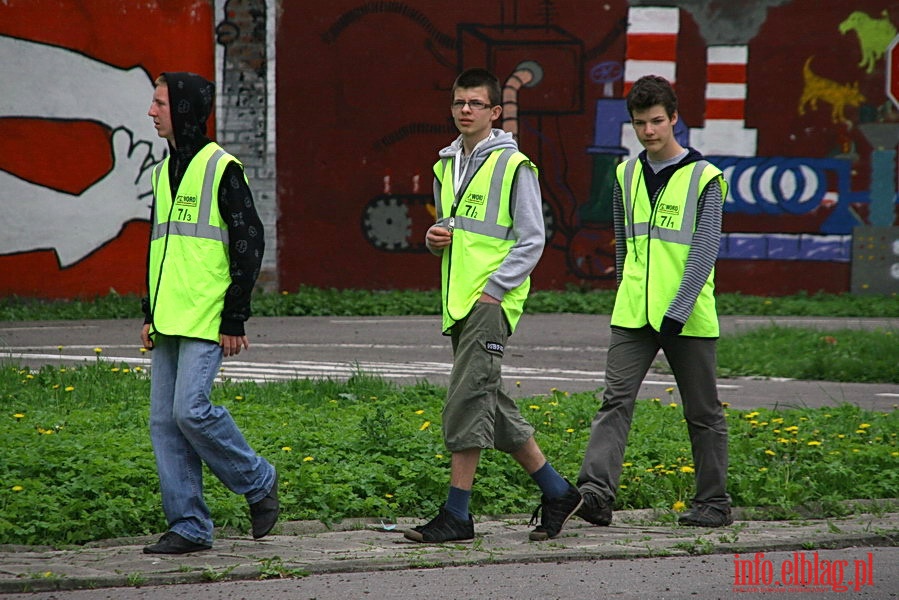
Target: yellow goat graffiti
x=874, y=35
x=820, y=88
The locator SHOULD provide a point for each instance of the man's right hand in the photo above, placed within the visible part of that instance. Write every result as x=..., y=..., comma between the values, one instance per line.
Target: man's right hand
x=438, y=237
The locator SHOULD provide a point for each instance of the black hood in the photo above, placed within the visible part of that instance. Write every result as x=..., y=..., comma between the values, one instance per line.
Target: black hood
x=190, y=99
x=190, y=102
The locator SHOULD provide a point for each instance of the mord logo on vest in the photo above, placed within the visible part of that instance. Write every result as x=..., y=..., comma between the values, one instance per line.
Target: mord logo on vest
x=671, y=209
x=475, y=198
x=183, y=200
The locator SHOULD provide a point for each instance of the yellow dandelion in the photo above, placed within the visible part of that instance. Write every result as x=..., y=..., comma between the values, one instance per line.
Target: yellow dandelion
x=627, y=464
x=17, y=488
x=308, y=459
x=569, y=430
x=770, y=452
x=751, y=415
x=18, y=416
x=861, y=431
x=725, y=404
x=388, y=495
x=114, y=369
x=814, y=443
x=98, y=350
x=143, y=350
x=686, y=469
x=438, y=456
x=29, y=376
x=864, y=425
x=679, y=506
x=126, y=370
x=56, y=386
x=673, y=405
x=419, y=412
x=623, y=486
x=70, y=388
x=424, y=425
x=670, y=390
x=137, y=369
x=287, y=449
x=238, y=397
x=763, y=469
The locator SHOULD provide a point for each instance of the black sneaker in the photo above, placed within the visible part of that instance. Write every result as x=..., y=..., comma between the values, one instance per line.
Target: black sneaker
x=706, y=515
x=264, y=514
x=555, y=513
x=172, y=543
x=595, y=510
x=445, y=527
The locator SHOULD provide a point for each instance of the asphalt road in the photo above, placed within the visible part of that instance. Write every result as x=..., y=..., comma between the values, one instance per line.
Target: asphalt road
x=561, y=351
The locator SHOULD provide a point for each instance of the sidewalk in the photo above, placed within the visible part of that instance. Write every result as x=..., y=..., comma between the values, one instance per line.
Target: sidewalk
x=304, y=547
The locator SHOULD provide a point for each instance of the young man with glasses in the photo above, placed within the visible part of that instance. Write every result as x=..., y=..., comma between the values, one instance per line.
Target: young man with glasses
x=490, y=235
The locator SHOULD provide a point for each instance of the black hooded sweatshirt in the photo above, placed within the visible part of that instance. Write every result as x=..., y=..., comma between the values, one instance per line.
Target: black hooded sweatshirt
x=190, y=100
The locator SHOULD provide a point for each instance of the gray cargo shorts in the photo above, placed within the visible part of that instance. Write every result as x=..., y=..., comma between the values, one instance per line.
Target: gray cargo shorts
x=478, y=413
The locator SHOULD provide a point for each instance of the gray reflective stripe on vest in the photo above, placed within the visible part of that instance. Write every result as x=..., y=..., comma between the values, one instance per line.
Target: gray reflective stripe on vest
x=200, y=229
x=684, y=235
x=630, y=229
x=489, y=226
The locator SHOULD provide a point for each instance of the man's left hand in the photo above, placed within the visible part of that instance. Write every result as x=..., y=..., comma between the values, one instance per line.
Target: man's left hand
x=232, y=344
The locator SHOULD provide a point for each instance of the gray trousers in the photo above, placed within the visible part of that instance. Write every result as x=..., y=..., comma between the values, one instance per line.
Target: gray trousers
x=693, y=360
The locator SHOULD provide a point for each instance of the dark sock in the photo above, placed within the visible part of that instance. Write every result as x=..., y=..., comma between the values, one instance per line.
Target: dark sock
x=551, y=483
x=457, y=502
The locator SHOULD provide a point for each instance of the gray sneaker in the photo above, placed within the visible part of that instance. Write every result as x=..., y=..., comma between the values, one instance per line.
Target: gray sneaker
x=595, y=510
x=706, y=515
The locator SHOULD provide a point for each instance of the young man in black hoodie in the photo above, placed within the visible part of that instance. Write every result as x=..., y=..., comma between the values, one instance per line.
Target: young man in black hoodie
x=206, y=247
x=667, y=206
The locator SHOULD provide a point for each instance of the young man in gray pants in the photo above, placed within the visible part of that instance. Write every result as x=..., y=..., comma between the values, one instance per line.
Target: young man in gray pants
x=667, y=206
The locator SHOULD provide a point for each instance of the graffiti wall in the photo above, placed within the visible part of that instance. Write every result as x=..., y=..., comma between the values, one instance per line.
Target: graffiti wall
x=76, y=144
x=338, y=109
x=787, y=96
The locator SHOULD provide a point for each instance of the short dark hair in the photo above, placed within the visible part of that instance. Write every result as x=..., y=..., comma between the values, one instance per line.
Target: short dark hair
x=472, y=78
x=649, y=91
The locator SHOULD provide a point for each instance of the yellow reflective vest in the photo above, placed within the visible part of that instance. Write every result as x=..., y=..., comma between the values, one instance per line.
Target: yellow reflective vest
x=481, y=222
x=658, y=241
x=189, y=264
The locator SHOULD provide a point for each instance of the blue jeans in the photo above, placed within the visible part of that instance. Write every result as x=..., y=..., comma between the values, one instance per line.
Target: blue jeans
x=186, y=429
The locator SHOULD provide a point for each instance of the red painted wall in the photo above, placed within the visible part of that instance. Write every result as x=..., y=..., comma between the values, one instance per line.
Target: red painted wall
x=363, y=94
x=72, y=155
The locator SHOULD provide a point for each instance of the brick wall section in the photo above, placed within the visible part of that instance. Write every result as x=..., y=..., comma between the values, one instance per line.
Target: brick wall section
x=246, y=107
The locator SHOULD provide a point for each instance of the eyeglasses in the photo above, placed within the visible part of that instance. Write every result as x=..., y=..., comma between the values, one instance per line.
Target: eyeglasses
x=472, y=104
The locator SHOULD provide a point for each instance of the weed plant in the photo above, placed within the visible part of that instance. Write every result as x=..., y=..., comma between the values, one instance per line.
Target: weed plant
x=76, y=463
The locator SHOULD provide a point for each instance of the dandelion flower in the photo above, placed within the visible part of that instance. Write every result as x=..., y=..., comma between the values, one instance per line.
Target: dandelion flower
x=308, y=459
x=286, y=448
x=424, y=425
x=238, y=397
x=98, y=350
x=627, y=464
x=534, y=407
x=864, y=425
x=770, y=452
x=438, y=456
x=18, y=416
x=70, y=388
x=686, y=469
x=673, y=405
x=388, y=495
x=679, y=506
x=17, y=488
x=814, y=443
x=143, y=350
x=419, y=412
x=569, y=430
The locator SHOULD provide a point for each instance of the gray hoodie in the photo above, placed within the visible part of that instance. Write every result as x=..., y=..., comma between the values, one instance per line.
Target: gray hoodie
x=526, y=206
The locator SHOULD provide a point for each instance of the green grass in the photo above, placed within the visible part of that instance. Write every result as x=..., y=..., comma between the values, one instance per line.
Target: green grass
x=76, y=463
x=846, y=355
x=309, y=301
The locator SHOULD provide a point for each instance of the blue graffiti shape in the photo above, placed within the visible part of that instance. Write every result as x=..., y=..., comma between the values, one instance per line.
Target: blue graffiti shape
x=792, y=186
x=785, y=246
